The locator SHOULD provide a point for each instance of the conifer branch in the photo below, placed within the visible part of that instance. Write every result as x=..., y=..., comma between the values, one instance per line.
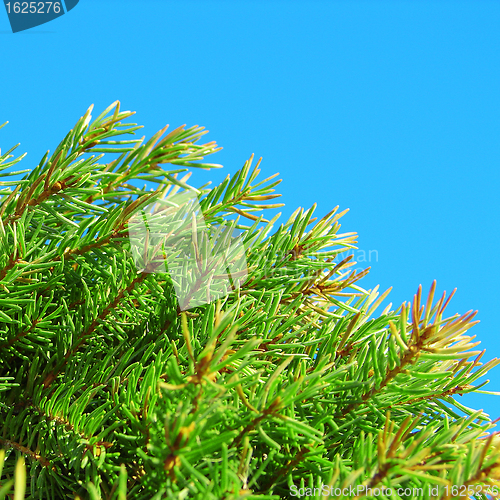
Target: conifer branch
x=109, y=383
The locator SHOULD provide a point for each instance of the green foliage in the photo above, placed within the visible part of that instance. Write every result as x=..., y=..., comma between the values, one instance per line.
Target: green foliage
x=108, y=390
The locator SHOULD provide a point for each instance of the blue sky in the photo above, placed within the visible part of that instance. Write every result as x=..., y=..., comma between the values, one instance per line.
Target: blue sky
x=390, y=109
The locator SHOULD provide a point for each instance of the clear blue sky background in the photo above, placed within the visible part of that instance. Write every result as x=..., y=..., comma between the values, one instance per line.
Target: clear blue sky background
x=388, y=108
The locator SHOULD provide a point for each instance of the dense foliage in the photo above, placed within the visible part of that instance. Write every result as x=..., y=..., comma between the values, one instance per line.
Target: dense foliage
x=289, y=382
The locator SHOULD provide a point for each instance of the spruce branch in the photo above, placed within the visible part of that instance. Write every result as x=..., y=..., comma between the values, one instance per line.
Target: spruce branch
x=110, y=385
